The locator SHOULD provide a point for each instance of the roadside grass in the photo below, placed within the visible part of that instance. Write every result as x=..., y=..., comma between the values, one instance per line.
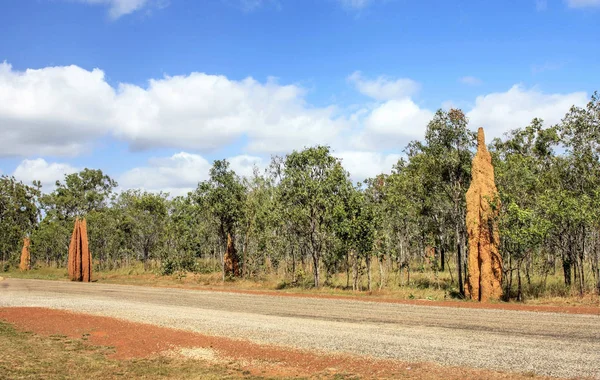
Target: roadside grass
x=29, y=356
x=422, y=285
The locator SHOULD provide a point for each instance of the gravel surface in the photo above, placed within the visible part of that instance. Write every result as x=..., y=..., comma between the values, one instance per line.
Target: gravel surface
x=561, y=345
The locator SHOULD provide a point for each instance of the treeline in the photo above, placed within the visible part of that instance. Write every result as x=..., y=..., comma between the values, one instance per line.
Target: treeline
x=303, y=215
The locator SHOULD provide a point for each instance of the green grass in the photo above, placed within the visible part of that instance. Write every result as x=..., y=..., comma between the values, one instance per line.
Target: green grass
x=38, y=273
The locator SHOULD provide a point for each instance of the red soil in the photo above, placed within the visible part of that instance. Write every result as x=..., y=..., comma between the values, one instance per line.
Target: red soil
x=136, y=340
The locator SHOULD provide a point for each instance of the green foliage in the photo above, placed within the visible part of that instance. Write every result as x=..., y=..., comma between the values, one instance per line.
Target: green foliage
x=144, y=219
x=224, y=195
x=18, y=215
x=313, y=187
x=79, y=194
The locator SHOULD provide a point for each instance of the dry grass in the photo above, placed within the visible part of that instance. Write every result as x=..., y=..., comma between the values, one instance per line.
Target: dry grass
x=423, y=285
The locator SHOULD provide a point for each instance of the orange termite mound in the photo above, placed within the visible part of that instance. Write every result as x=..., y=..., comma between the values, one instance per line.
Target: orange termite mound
x=80, y=259
x=25, y=256
x=231, y=260
x=485, y=263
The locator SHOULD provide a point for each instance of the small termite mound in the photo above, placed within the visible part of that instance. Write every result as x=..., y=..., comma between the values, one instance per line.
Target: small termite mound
x=485, y=263
x=25, y=264
x=79, y=264
x=231, y=261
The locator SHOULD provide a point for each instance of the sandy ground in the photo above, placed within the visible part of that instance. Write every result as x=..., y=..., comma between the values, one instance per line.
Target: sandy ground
x=563, y=345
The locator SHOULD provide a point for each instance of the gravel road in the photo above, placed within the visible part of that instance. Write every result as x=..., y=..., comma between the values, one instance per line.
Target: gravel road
x=561, y=345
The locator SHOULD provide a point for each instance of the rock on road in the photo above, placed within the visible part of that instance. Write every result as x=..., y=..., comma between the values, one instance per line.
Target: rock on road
x=562, y=345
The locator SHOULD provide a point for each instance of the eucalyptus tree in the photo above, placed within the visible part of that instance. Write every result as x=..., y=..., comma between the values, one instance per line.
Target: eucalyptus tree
x=579, y=174
x=83, y=194
x=446, y=155
x=105, y=237
x=402, y=214
x=145, y=216
x=79, y=194
x=18, y=214
x=522, y=163
x=310, y=190
x=223, y=196
x=262, y=244
x=188, y=234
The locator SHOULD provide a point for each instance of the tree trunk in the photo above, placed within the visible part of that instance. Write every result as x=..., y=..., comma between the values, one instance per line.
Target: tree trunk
x=355, y=270
x=146, y=255
x=567, y=270
x=348, y=269
x=459, y=263
x=596, y=268
x=222, y=258
x=368, y=260
x=293, y=265
x=442, y=257
x=528, y=266
x=400, y=261
x=245, y=252
x=315, y=258
x=450, y=270
x=381, y=272
x=509, y=279
x=520, y=289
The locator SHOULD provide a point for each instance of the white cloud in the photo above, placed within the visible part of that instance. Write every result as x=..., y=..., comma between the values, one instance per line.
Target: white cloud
x=244, y=165
x=363, y=164
x=52, y=111
x=583, y=3
x=43, y=171
x=62, y=110
x=384, y=88
x=180, y=173
x=502, y=111
x=392, y=125
x=176, y=175
x=471, y=81
x=355, y=4
x=119, y=8
x=204, y=112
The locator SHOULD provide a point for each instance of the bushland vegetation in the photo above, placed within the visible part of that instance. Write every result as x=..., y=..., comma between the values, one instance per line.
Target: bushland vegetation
x=303, y=221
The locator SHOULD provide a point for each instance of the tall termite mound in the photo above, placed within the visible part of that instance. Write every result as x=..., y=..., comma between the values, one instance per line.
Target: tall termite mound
x=231, y=261
x=25, y=256
x=80, y=259
x=485, y=263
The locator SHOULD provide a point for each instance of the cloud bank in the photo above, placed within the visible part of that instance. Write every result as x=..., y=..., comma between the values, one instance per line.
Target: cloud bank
x=64, y=111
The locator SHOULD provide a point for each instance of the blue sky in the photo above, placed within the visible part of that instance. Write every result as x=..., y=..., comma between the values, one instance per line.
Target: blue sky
x=151, y=91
